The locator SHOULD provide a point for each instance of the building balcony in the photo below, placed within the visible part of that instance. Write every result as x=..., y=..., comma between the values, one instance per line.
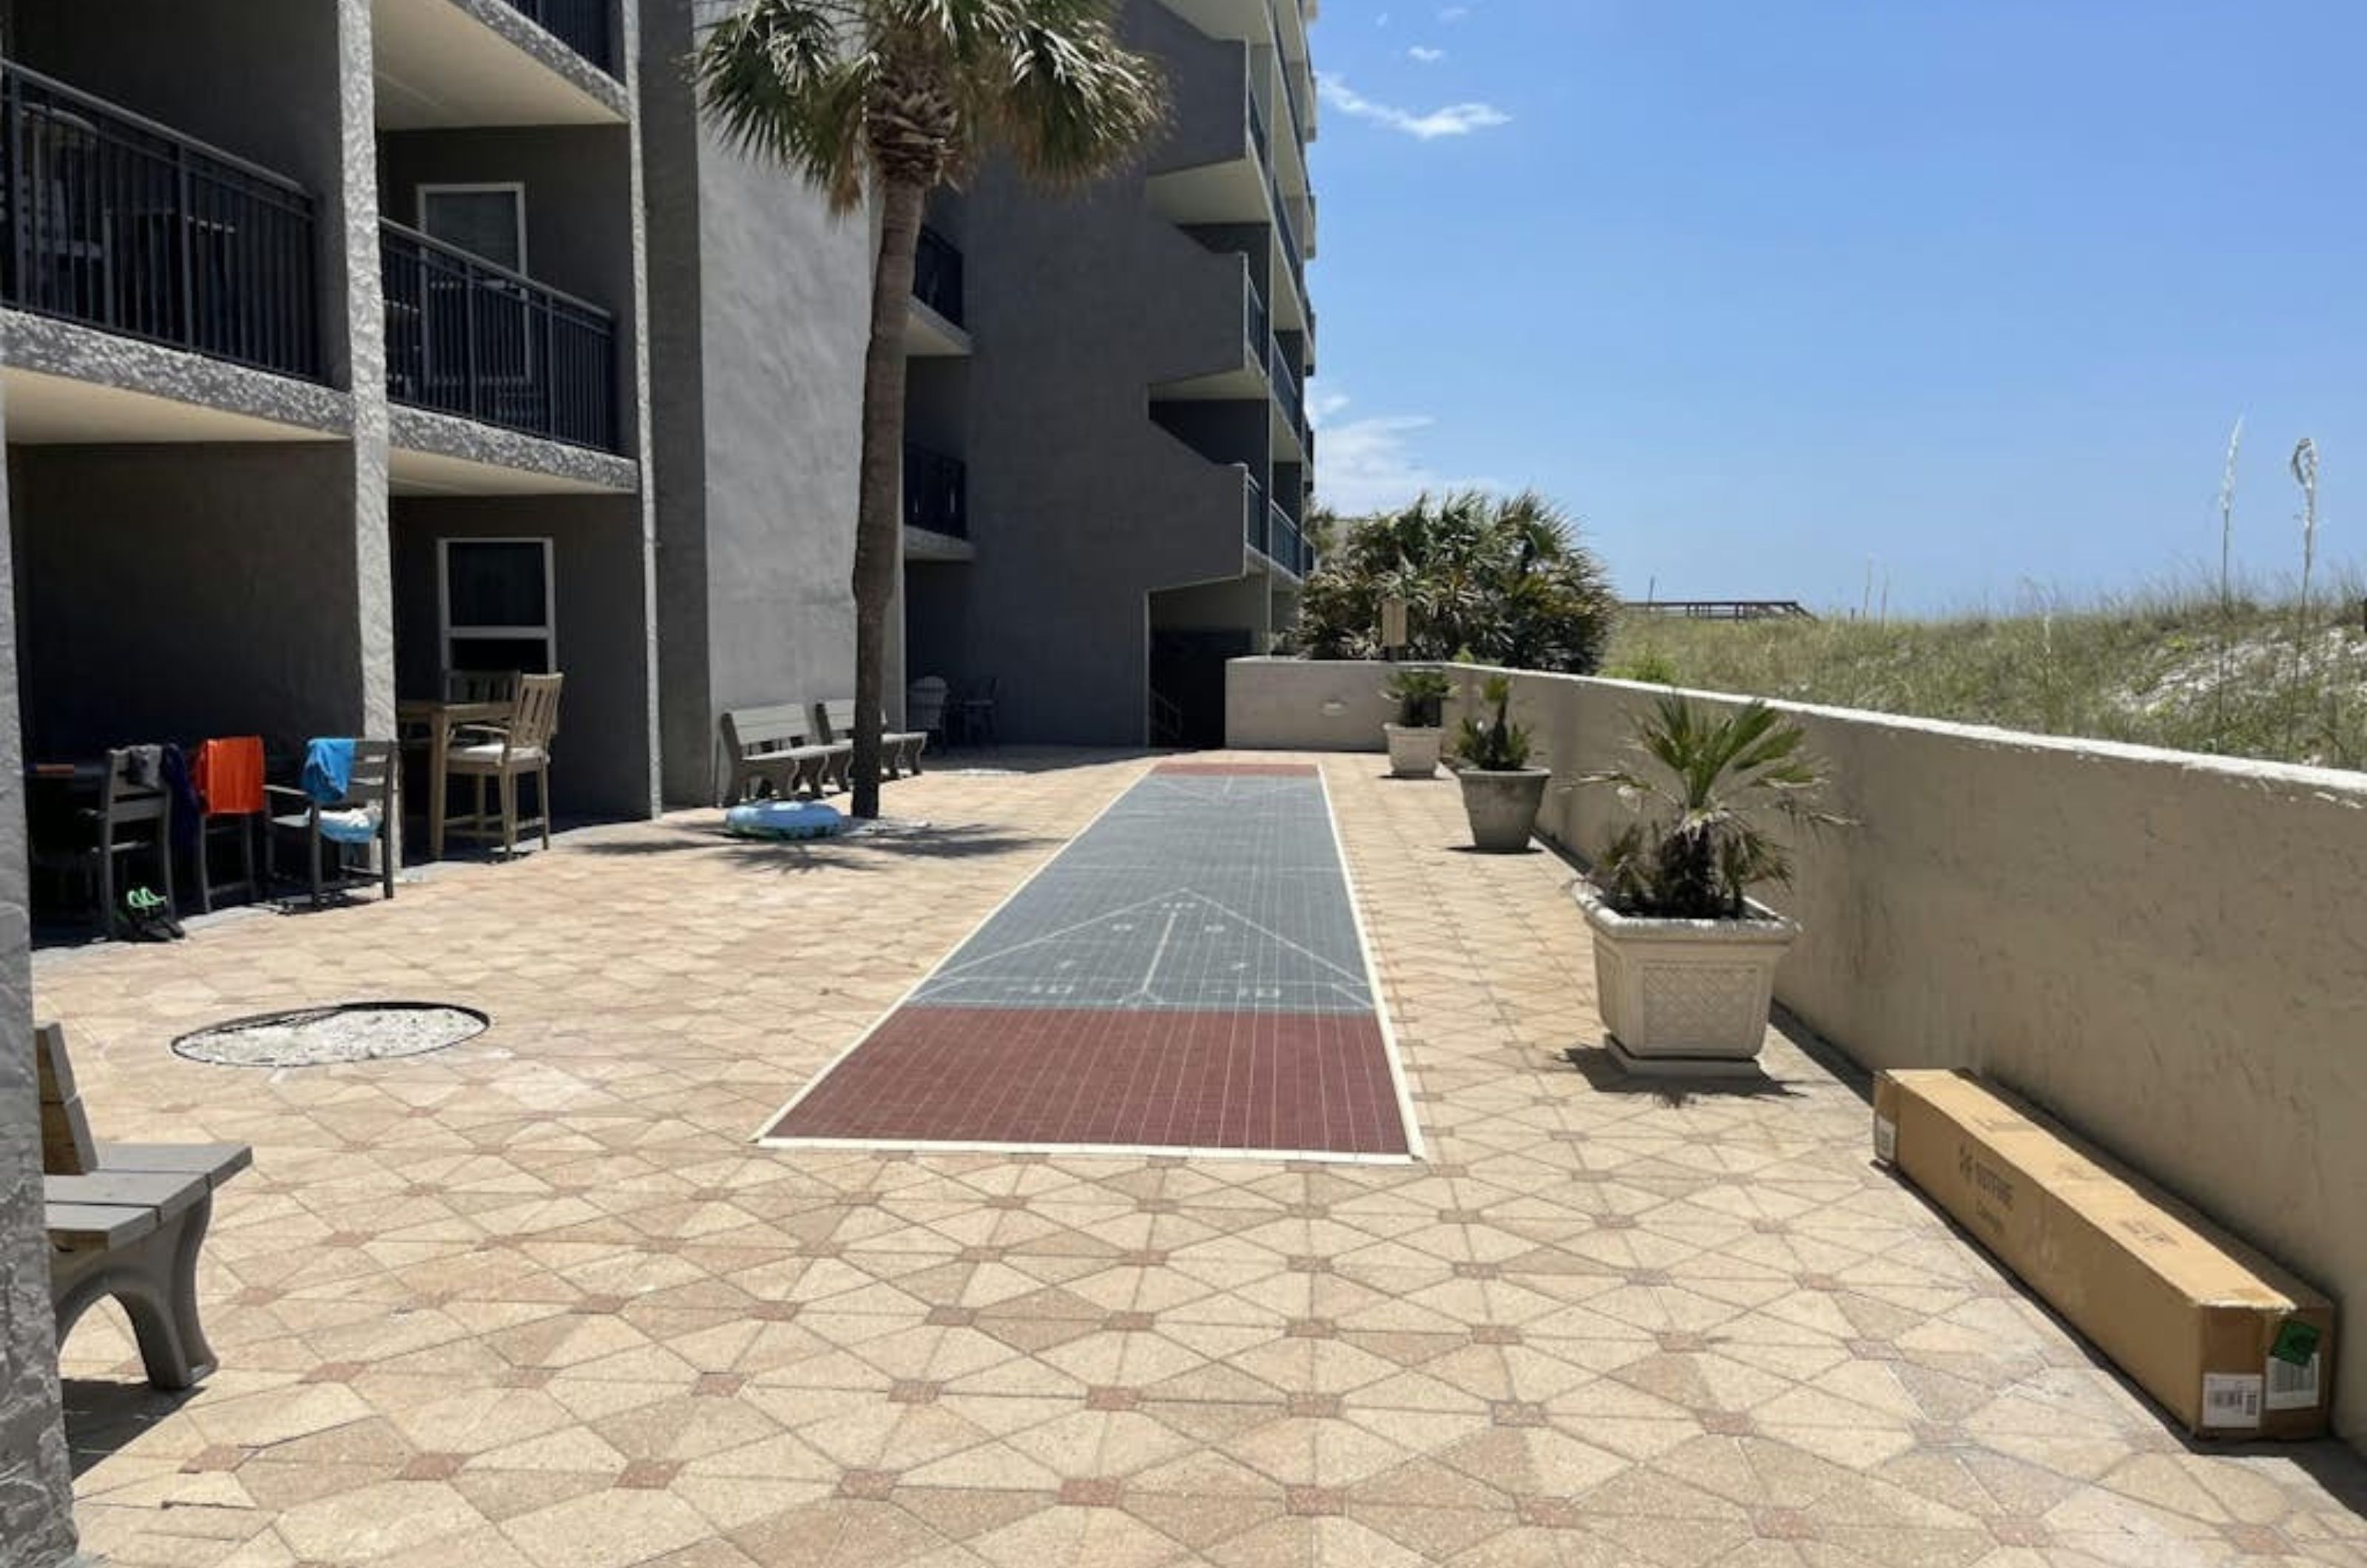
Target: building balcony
x=582, y=25
x=937, y=493
x=1285, y=546
x=454, y=65
x=1290, y=392
x=1218, y=171
x=118, y=222
x=468, y=338
x=933, y=325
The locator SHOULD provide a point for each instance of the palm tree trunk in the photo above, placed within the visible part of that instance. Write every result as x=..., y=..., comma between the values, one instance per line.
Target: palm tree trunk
x=879, y=518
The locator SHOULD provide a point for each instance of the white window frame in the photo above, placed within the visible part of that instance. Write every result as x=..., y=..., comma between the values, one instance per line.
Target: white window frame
x=548, y=631
x=514, y=188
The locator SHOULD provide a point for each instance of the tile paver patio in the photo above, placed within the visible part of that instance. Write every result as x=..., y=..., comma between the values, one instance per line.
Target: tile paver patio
x=537, y=1301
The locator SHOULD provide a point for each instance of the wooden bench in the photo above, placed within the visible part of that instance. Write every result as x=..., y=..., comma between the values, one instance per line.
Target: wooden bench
x=899, y=749
x=776, y=748
x=126, y=1221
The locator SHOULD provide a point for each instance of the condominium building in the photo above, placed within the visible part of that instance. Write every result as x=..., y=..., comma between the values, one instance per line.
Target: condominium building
x=1110, y=455
x=351, y=341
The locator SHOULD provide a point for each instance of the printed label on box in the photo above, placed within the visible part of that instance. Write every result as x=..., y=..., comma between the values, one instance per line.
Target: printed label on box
x=2231, y=1399
x=2291, y=1387
x=1885, y=1139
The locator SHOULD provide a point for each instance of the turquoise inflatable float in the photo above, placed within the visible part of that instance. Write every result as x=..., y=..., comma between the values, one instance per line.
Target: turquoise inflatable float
x=784, y=819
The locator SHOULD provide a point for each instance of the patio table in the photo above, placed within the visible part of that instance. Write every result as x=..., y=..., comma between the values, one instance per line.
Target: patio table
x=439, y=718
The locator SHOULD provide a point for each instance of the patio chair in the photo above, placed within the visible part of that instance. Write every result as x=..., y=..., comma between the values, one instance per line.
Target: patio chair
x=229, y=777
x=133, y=815
x=924, y=707
x=503, y=754
x=481, y=686
x=365, y=817
x=976, y=706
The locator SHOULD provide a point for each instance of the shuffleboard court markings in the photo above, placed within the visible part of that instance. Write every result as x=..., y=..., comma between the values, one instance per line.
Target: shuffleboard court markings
x=1188, y=974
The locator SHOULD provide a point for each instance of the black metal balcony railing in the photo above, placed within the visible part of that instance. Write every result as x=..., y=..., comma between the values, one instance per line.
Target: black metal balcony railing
x=1283, y=543
x=117, y=221
x=937, y=276
x=937, y=493
x=1253, y=512
x=1257, y=321
x=1290, y=98
x=580, y=25
x=464, y=336
x=1285, y=375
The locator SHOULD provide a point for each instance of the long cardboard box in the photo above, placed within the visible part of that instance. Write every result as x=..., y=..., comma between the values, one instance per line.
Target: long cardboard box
x=2232, y=1344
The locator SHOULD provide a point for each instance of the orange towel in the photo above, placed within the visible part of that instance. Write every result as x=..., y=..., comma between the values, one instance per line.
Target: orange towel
x=229, y=775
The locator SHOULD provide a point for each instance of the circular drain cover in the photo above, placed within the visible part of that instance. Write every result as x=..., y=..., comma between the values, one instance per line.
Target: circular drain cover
x=316, y=1037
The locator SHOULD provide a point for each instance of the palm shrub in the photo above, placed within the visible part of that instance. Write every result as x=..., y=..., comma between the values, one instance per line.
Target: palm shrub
x=1499, y=580
x=886, y=100
x=1702, y=843
x=1492, y=743
x=1418, y=690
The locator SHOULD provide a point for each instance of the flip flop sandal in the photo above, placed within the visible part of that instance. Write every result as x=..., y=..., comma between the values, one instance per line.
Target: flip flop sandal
x=151, y=916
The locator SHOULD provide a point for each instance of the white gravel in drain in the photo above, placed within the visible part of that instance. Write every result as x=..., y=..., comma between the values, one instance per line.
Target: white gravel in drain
x=331, y=1035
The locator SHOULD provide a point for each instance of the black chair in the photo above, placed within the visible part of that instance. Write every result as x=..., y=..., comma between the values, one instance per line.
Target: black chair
x=132, y=815
x=976, y=706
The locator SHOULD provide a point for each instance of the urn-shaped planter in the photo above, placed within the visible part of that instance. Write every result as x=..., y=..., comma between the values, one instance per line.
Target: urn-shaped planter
x=1502, y=806
x=1685, y=997
x=1413, y=749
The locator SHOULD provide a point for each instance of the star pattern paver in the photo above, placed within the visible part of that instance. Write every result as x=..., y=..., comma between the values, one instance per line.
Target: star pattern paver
x=536, y=1302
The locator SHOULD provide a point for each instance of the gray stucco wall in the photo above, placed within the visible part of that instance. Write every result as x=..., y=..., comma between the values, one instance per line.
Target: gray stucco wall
x=600, y=766
x=175, y=592
x=36, y=1487
x=757, y=304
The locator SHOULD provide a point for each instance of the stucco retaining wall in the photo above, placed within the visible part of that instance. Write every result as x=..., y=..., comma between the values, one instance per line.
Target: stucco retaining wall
x=2169, y=951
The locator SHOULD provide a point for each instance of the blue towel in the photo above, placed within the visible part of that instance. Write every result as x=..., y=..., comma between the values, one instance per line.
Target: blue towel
x=328, y=770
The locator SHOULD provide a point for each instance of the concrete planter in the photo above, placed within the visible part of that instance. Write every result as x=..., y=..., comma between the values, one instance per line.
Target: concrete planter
x=1685, y=997
x=1502, y=806
x=1413, y=749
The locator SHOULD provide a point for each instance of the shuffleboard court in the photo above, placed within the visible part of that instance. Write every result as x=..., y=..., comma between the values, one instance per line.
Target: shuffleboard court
x=1187, y=975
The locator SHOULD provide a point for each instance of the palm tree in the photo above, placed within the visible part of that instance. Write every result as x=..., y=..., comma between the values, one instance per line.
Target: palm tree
x=887, y=99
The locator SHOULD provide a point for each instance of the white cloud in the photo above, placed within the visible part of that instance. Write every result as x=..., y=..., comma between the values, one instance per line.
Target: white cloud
x=1454, y=119
x=1451, y=14
x=1368, y=465
x=1424, y=55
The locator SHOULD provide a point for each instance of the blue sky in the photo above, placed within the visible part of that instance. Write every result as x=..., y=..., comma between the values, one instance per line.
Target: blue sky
x=1765, y=289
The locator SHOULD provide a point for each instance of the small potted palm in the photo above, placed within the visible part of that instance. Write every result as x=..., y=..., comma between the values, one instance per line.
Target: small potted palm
x=1419, y=691
x=1684, y=958
x=1501, y=791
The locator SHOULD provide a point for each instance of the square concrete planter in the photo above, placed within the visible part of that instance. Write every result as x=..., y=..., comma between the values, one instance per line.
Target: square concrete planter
x=1685, y=997
x=1413, y=749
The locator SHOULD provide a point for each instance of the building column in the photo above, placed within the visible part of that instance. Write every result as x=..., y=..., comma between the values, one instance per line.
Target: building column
x=359, y=361
x=36, y=1482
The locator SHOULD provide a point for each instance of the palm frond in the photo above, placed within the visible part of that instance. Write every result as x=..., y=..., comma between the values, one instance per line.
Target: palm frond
x=782, y=80
x=1702, y=846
